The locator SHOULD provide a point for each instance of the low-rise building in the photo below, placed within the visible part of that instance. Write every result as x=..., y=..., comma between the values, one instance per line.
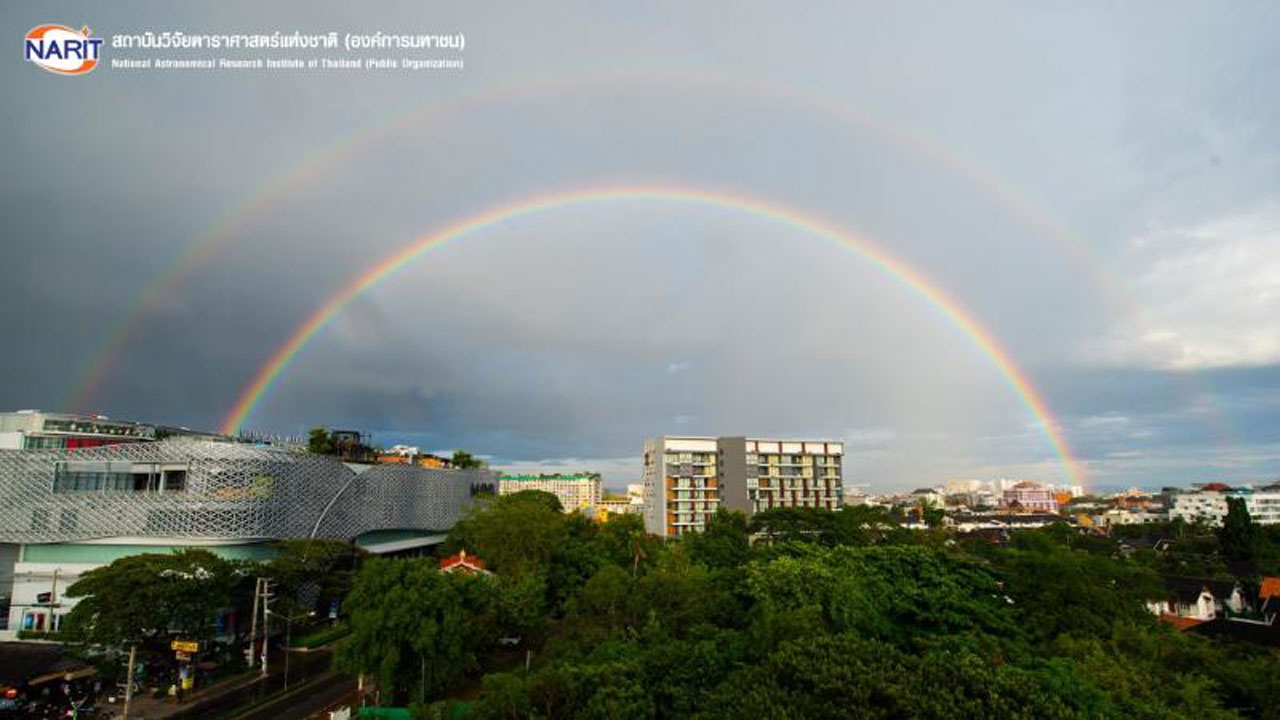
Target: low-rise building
x=36, y=430
x=1027, y=496
x=1130, y=516
x=931, y=496
x=402, y=455
x=1209, y=503
x=1199, y=599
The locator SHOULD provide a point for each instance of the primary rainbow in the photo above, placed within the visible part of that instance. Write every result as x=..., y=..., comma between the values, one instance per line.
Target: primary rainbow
x=302, y=335
x=119, y=335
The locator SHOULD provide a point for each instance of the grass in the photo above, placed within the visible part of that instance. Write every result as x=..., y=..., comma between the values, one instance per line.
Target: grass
x=321, y=637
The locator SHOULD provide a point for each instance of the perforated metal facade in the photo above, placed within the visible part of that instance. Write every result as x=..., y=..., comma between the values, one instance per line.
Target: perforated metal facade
x=195, y=489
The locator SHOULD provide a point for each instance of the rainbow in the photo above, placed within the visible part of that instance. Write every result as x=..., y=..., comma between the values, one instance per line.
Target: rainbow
x=298, y=340
x=120, y=334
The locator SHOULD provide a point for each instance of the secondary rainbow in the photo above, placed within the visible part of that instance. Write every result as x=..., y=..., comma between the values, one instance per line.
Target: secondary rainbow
x=1004, y=195
x=280, y=359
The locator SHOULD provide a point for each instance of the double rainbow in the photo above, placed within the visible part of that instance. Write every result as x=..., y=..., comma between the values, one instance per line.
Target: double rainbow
x=298, y=340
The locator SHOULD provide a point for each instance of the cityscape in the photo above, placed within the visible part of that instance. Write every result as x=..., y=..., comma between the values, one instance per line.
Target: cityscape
x=855, y=360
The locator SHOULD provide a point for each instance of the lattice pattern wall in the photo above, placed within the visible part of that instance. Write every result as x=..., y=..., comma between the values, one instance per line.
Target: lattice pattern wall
x=229, y=490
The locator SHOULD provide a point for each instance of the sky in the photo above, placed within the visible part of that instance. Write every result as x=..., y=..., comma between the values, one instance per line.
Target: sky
x=1096, y=184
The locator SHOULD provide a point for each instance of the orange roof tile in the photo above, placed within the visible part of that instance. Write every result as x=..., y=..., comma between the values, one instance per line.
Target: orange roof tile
x=1180, y=623
x=1270, y=588
x=462, y=561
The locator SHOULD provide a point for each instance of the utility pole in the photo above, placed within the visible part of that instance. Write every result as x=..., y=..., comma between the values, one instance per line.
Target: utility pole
x=253, y=626
x=128, y=680
x=288, y=638
x=266, y=622
x=53, y=602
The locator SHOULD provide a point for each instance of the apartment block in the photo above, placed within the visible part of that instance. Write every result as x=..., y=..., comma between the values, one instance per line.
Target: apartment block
x=575, y=492
x=1028, y=496
x=686, y=479
x=1209, y=503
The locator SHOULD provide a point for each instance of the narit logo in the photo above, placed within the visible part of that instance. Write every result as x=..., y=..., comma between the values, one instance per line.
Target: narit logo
x=61, y=50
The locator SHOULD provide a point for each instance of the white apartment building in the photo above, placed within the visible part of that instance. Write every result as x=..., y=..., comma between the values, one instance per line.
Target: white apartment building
x=575, y=492
x=1210, y=503
x=686, y=479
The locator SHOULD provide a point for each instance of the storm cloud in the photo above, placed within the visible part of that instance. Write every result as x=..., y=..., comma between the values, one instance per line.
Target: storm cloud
x=1096, y=184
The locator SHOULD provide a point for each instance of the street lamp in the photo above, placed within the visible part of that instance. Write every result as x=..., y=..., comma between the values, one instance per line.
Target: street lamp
x=288, y=638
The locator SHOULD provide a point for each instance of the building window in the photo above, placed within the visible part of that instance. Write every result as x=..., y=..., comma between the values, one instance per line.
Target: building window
x=175, y=480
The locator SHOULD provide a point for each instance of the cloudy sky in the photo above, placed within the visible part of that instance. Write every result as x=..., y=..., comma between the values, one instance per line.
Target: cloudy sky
x=1097, y=185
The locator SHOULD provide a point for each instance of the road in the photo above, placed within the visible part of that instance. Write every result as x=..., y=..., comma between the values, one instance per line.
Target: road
x=308, y=700
x=305, y=669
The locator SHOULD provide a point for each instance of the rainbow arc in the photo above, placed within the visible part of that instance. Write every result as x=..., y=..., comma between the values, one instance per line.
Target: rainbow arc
x=297, y=341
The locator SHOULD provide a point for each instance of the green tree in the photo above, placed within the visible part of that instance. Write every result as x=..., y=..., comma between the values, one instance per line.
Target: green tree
x=149, y=598
x=409, y=627
x=848, y=676
x=1240, y=536
x=894, y=593
x=624, y=542
x=311, y=573
x=512, y=533
x=724, y=544
x=1056, y=591
x=319, y=441
x=796, y=525
x=932, y=516
x=464, y=460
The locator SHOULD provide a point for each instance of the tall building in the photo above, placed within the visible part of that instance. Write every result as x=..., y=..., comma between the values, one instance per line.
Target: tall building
x=575, y=492
x=686, y=479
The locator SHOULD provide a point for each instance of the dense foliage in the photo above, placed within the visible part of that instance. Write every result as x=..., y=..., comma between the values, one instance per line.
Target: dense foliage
x=146, y=601
x=149, y=598
x=826, y=615
x=791, y=614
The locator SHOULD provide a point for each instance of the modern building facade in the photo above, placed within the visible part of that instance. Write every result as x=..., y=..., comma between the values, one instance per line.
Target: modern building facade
x=686, y=479
x=36, y=430
x=1027, y=496
x=575, y=492
x=1209, y=503
x=65, y=511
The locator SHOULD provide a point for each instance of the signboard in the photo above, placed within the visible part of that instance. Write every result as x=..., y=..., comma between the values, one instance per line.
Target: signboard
x=182, y=655
x=44, y=598
x=187, y=646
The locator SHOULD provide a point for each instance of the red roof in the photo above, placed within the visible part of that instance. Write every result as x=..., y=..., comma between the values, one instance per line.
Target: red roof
x=463, y=562
x=1270, y=588
x=1180, y=623
x=1216, y=487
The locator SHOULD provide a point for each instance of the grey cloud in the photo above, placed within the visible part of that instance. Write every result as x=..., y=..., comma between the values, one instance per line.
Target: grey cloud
x=970, y=145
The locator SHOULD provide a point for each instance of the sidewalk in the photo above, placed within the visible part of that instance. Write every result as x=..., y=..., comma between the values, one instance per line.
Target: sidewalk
x=144, y=707
x=225, y=698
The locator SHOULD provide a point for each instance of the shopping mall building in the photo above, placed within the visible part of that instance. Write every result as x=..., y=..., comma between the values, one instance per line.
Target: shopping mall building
x=68, y=505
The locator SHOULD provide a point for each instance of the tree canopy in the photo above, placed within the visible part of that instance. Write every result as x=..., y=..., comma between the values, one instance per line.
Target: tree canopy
x=803, y=613
x=148, y=597
x=465, y=460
